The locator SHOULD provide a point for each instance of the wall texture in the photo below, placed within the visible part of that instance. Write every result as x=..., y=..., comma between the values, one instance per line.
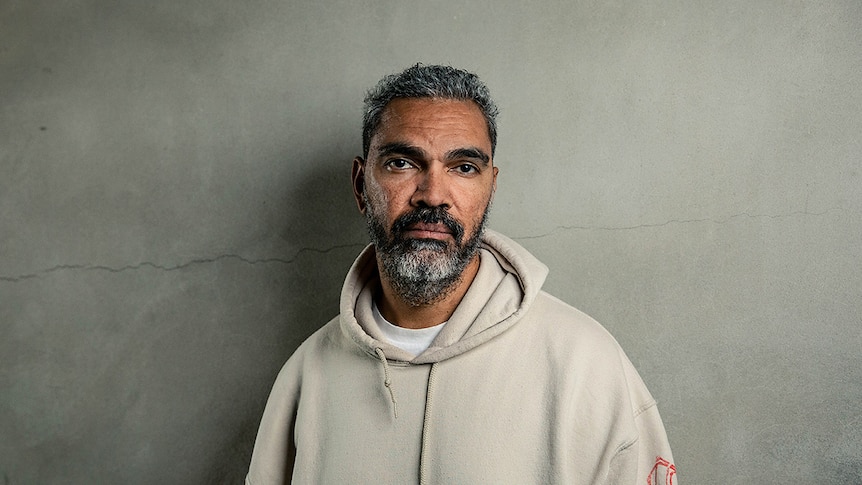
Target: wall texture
x=175, y=213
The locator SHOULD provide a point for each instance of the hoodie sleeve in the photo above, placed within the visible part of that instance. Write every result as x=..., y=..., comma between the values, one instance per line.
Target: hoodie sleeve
x=655, y=460
x=647, y=460
x=274, y=450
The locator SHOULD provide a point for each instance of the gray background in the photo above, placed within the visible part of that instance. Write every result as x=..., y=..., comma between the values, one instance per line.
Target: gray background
x=175, y=213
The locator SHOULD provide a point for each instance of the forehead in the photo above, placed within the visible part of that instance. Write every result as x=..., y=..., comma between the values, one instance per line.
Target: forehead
x=433, y=121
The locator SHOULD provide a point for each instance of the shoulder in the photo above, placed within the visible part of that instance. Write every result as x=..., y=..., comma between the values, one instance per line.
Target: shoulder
x=311, y=349
x=552, y=318
x=576, y=341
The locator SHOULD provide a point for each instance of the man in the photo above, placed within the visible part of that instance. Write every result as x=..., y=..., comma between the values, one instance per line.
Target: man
x=448, y=363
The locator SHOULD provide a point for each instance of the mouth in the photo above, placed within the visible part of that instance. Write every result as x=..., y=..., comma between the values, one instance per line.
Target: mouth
x=424, y=230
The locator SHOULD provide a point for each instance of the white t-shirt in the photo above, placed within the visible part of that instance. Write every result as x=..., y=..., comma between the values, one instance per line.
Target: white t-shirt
x=414, y=341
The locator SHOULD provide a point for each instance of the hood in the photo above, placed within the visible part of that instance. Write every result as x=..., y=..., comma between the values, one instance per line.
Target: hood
x=508, y=281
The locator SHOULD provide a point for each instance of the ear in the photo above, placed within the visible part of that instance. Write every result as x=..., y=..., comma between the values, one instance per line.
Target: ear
x=357, y=176
x=494, y=184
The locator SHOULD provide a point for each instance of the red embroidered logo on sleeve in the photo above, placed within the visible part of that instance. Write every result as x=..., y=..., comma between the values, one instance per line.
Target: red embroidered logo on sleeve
x=662, y=468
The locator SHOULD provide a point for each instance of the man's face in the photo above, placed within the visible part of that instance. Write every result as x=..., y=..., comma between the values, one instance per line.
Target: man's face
x=425, y=190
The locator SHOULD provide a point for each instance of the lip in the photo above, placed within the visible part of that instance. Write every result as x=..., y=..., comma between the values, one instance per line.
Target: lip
x=428, y=231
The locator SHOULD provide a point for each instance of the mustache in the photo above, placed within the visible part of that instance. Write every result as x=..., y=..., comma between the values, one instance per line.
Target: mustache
x=428, y=215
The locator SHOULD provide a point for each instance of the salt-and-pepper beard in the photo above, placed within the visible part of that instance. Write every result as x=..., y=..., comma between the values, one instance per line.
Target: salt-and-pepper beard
x=423, y=271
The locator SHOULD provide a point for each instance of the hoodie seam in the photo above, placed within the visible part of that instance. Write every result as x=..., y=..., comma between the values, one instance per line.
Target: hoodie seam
x=624, y=446
x=644, y=408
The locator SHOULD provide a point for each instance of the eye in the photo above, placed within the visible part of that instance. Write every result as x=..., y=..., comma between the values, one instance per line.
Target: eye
x=466, y=169
x=397, y=164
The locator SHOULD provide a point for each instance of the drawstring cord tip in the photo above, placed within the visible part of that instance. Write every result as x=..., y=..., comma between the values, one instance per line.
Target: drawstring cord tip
x=387, y=380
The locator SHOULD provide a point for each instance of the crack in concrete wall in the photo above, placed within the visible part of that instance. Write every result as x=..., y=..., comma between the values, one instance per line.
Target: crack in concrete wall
x=679, y=221
x=221, y=257
x=148, y=264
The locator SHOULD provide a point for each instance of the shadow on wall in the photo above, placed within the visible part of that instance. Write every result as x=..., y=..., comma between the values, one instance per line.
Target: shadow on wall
x=321, y=213
x=326, y=232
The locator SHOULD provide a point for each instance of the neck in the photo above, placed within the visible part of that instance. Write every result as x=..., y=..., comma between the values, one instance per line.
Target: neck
x=399, y=312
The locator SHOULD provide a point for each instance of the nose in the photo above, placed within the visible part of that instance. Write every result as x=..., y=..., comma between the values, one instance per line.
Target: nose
x=432, y=189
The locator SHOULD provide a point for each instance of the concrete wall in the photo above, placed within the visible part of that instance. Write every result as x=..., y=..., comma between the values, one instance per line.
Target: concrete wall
x=175, y=213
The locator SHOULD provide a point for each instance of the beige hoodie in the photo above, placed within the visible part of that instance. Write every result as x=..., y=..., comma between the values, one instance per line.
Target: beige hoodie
x=517, y=388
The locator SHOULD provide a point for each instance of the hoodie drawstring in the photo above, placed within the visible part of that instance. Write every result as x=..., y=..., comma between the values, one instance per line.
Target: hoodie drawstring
x=387, y=380
x=426, y=424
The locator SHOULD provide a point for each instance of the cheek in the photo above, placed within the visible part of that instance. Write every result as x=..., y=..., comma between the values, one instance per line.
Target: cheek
x=478, y=201
x=393, y=198
x=380, y=203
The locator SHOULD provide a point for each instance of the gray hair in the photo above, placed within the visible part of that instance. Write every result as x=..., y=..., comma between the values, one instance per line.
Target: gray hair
x=427, y=82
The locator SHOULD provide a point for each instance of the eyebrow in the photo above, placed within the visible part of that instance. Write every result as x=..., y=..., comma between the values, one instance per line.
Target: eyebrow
x=471, y=152
x=412, y=151
x=401, y=149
